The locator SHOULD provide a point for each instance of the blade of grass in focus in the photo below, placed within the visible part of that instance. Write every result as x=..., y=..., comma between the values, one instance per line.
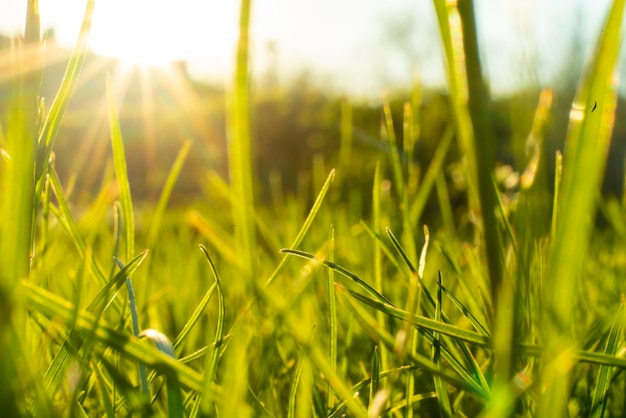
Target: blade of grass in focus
x=301, y=365
x=373, y=408
x=48, y=133
x=239, y=148
x=378, y=257
x=121, y=173
x=606, y=374
x=591, y=123
x=16, y=218
x=213, y=360
x=443, y=399
x=128, y=346
x=332, y=318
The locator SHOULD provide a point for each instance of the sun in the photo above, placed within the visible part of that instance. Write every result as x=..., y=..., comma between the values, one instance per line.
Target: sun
x=138, y=32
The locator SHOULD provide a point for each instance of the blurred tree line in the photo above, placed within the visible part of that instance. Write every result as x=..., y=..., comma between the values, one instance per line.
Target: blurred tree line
x=160, y=108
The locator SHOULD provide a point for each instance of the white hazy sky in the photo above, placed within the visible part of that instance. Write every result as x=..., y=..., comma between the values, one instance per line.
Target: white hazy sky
x=357, y=46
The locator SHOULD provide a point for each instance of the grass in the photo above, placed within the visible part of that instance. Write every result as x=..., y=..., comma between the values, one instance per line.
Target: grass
x=305, y=309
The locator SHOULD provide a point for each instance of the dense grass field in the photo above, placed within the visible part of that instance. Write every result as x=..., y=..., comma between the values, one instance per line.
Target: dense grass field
x=304, y=307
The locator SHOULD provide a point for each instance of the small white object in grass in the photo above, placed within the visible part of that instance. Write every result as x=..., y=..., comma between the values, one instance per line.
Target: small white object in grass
x=160, y=340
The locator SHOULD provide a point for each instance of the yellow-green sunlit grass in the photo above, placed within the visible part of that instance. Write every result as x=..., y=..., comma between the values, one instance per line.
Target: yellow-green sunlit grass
x=350, y=319
x=240, y=155
x=591, y=123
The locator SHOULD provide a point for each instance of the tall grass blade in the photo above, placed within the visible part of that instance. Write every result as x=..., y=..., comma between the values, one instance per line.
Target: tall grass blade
x=332, y=318
x=390, y=136
x=356, y=279
x=305, y=226
x=374, y=408
x=440, y=386
x=402, y=267
x=212, y=361
x=591, y=123
x=378, y=257
x=240, y=156
x=16, y=223
x=358, y=387
x=164, y=198
x=430, y=177
x=450, y=31
x=48, y=133
x=129, y=347
x=56, y=371
x=175, y=408
x=466, y=381
x=484, y=147
x=295, y=381
x=478, y=326
x=605, y=374
x=426, y=325
x=558, y=172
x=319, y=359
x=121, y=173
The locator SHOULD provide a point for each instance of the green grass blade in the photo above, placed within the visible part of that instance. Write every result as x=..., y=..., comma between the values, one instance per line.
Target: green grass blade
x=591, y=122
x=213, y=359
x=386, y=250
x=56, y=371
x=440, y=386
x=478, y=326
x=121, y=173
x=332, y=318
x=214, y=235
x=358, y=387
x=450, y=31
x=378, y=245
x=390, y=136
x=430, y=177
x=305, y=226
x=484, y=147
x=135, y=320
x=17, y=214
x=175, y=408
x=374, y=408
x=558, y=172
x=414, y=299
x=410, y=265
x=424, y=322
x=319, y=359
x=164, y=198
x=605, y=374
x=240, y=156
x=48, y=133
x=295, y=380
x=430, y=308
x=130, y=347
x=503, y=217
x=356, y=279
x=382, y=336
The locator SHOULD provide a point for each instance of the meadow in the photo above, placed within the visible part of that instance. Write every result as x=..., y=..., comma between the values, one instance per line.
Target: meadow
x=510, y=303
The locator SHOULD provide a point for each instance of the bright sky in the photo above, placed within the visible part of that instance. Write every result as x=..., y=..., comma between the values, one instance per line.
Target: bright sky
x=358, y=46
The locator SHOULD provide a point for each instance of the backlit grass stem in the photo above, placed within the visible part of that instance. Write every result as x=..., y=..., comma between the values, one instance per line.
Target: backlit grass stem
x=239, y=147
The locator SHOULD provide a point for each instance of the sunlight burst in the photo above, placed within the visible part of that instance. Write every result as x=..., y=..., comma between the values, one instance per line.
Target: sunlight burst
x=141, y=32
